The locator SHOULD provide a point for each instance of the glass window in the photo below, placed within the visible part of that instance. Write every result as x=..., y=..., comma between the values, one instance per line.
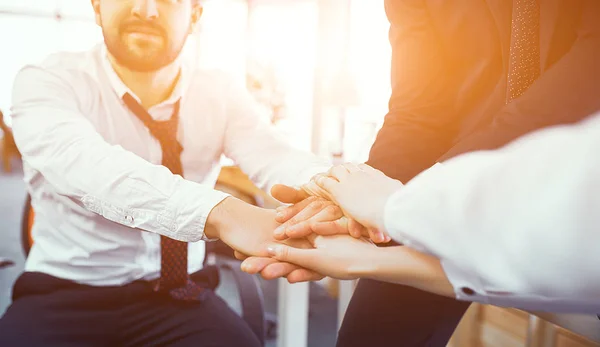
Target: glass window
x=221, y=38
x=76, y=9
x=282, y=40
x=31, y=40
x=32, y=7
x=370, y=59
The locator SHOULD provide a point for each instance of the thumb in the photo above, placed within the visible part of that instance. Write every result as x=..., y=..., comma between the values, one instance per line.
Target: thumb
x=287, y=194
x=303, y=257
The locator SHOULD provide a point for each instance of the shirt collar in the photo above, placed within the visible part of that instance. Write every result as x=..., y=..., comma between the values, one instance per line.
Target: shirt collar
x=121, y=89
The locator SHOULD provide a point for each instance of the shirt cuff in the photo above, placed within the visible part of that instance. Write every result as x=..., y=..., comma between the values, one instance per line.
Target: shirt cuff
x=194, y=203
x=466, y=287
x=407, y=196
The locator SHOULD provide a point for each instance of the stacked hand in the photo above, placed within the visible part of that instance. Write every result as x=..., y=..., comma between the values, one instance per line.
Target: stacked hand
x=333, y=213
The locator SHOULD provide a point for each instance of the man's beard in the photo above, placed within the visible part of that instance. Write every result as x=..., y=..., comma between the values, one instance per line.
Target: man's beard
x=153, y=61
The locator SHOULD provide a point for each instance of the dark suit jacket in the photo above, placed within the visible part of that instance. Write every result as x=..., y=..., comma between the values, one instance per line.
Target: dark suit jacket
x=449, y=73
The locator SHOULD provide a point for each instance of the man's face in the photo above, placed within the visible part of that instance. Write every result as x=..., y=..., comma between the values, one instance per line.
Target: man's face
x=146, y=35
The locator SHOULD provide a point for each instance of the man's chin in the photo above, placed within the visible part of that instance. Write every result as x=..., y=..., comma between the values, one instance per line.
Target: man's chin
x=142, y=63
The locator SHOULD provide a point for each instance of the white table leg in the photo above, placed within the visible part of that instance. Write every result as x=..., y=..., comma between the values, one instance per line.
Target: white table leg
x=346, y=289
x=292, y=320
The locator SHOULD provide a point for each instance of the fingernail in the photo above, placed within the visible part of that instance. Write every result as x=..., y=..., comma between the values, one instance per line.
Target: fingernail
x=279, y=231
x=246, y=267
x=271, y=250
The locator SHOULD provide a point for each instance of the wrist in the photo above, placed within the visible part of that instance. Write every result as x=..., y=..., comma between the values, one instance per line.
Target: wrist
x=217, y=220
x=369, y=265
x=406, y=266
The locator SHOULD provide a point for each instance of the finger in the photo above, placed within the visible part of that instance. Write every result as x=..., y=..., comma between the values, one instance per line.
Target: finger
x=287, y=194
x=376, y=235
x=239, y=256
x=328, y=213
x=309, y=211
x=329, y=185
x=254, y=265
x=284, y=213
x=336, y=227
x=339, y=172
x=307, y=258
x=303, y=275
x=355, y=229
x=313, y=189
x=351, y=167
x=278, y=269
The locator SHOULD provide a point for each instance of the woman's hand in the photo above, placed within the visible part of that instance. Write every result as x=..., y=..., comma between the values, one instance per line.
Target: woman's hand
x=338, y=256
x=345, y=257
x=359, y=190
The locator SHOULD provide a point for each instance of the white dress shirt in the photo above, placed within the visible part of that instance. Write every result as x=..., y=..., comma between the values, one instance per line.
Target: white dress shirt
x=515, y=227
x=101, y=197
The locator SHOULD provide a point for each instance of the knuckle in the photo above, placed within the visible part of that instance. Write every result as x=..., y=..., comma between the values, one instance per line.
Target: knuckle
x=283, y=253
x=332, y=209
x=310, y=199
x=316, y=205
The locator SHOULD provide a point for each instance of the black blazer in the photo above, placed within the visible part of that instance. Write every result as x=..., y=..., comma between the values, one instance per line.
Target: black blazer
x=449, y=72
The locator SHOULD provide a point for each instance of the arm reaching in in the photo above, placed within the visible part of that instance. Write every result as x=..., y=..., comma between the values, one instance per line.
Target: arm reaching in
x=336, y=256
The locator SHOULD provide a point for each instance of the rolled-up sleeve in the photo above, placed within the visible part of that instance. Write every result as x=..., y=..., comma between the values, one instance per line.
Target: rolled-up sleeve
x=58, y=141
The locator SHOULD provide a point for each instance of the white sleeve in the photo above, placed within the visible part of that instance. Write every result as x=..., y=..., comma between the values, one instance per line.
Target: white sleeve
x=515, y=227
x=59, y=142
x=259, y=150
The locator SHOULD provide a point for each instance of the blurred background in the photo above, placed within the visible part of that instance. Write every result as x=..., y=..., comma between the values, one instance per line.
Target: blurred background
x=319, y=68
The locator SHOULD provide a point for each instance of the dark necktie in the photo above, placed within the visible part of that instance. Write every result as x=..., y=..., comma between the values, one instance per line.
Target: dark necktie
x=174, y=276
x=524, y=63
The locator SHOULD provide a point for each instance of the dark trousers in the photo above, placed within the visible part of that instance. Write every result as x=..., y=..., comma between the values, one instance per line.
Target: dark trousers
x=48, y=311
x=384, y=314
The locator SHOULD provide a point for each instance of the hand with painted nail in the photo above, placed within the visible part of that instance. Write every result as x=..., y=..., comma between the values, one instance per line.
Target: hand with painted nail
x=359, y=190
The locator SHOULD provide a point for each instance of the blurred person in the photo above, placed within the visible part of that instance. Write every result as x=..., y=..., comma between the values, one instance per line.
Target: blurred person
x=121, y=148
x=464, y=78
x=496, y=235
x=9, y=148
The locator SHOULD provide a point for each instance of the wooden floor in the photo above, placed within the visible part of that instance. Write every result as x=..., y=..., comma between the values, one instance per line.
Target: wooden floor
x=491, y=326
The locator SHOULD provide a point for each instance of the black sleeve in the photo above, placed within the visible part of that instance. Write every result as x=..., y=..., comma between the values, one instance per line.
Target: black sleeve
x=422, y=117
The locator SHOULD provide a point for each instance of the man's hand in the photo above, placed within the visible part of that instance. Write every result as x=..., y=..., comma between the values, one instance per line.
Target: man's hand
x=249, y=230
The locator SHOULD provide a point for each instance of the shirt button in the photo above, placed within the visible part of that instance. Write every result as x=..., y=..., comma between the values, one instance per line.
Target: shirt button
x=129, y=219
x=467, y=291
